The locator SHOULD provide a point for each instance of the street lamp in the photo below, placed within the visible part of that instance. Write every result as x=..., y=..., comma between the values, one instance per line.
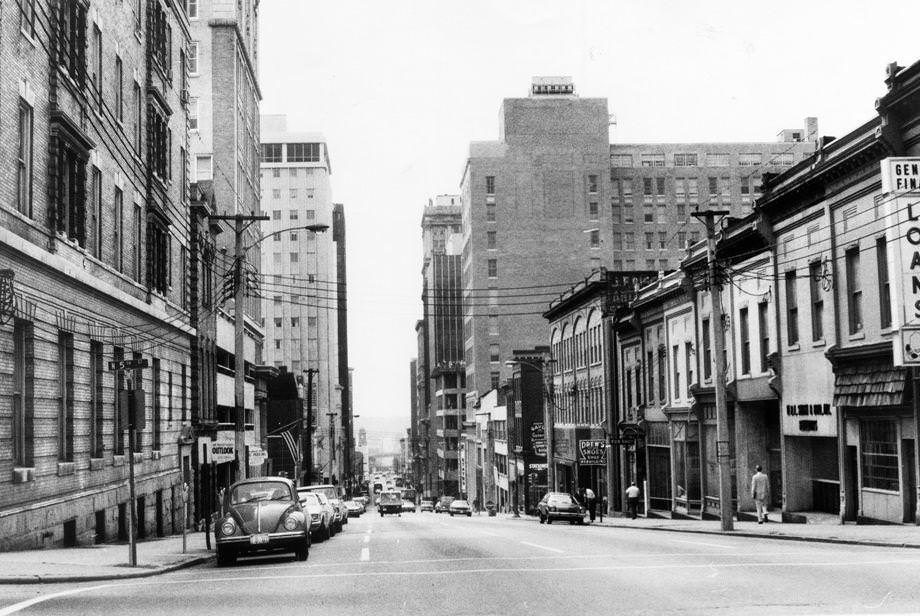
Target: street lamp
x=241, y=223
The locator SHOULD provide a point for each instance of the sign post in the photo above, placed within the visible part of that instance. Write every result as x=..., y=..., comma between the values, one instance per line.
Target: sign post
x=131, y=407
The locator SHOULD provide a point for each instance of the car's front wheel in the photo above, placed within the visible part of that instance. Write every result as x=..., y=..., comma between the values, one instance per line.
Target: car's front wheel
x=469, y=514
x=303, y=552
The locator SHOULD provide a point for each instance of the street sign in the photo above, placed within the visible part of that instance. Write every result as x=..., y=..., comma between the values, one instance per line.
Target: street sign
x=257, y=456
x=128, y=364
x=592, y=451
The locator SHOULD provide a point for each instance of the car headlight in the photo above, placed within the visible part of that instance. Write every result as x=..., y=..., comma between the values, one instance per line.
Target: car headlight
x=314, y=516
x=290, y=523
x=228, y=528
x=553, y=508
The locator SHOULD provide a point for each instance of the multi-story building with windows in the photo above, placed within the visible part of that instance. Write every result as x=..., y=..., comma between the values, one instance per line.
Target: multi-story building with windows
x=222, y=94
x=93, y=252
x=441, y=356
x=300, y=287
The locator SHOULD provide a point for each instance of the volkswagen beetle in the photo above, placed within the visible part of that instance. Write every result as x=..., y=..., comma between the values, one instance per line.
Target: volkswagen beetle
x=261, y=514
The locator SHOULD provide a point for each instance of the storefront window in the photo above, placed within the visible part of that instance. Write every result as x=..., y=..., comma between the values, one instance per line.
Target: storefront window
x=878, y=441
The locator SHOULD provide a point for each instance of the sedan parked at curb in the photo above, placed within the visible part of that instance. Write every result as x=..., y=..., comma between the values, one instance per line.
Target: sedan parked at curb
x=321, y=513
x=426, y=505
x=560, y=506
x=261, y=514
x=354, y=509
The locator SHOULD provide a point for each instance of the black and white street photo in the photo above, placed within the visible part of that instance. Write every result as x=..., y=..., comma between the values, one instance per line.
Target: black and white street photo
x=469, y=308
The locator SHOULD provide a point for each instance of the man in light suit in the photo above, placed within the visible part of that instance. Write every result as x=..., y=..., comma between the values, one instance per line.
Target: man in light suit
x=760, y=489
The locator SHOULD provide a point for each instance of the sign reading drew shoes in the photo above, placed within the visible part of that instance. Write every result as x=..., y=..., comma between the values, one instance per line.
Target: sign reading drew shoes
x=901, y=187
x=223, y=449
x=592, y=451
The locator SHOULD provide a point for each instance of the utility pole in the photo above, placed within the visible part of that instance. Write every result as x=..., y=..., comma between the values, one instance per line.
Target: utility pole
x=723, y=442
x=308, y=439
x=241, y=223
x=549, y=427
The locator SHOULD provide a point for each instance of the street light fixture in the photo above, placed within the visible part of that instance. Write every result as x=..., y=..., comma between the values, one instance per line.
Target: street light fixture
x=241, y=223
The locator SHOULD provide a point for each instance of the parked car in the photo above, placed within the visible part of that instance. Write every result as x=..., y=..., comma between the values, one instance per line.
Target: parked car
x=442, y=505
x=353, y=508
x=409, y=506
x=459, y=507
x=321, y=512
x=261, y=514
x=426, y=505
x=560, y=506
x=332, y=493
x=389, y=502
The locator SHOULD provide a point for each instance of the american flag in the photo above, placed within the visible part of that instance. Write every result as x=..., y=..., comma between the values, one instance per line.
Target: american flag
x=291, y=443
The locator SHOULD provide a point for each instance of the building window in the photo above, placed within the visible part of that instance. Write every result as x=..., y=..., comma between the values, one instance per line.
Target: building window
x=293, y=214
x=293, y=193
x=494, y=378
x=27, y=17
x=193, y=58
x=493, y=325
x=137, y=227
x=491, y=240
x=750, y=160
x=160, y=38
x=139, y=112
x=792, y=309
x=662, y=374
x=685, y=160
x=203, y=168
x=817, y=301
x=96, y=49
x=763, y=326
x=23, y=393
x=650, y=374
x=649, y=241
x=675, y=370
x=592, y=184
x=707, y=351
x=854, y=290
x=96, y=197
x=629, y=240
x=65, y=427
x=621, y=160
x=745, y=341
x=193, y=114
x=276, y=193
x=295, y=257
x=652, y=160
x=303, y=152
x=493, y=268
x=884, y=284
x=119, y=89
x=119, y=245
x=191, y=9
x=593, y=210
x=69, y=188
x=159, y=142
x=662, y=239
x=494, y=353
x=158, y=262
x=72, y=39
x=490, y=184
x=879, y=449
x=310, y=214
x=595, y=238
x=745, y=186
x=688, y=359
x=96, y=389
x=271, y=153
x=24, y=168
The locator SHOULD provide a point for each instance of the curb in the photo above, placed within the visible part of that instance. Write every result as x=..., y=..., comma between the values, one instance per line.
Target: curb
x=752, y=535
x=63, y=579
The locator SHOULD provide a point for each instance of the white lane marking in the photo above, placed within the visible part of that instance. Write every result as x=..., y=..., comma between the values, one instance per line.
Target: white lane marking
x=159, y=582
x=367, y=538
x=485, y=532
x=712, y=545
x=365, y=554
x=542, y=547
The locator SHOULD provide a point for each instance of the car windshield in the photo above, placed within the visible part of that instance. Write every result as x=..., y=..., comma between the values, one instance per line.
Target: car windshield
x=459, y=504
x=309, y=498
x=560, y=499
x=263, y=490
x=387, y=497
x=329, y=491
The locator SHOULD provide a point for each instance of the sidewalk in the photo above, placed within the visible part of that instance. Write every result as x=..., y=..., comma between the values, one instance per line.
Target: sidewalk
x=888, y=535
x=102, y=562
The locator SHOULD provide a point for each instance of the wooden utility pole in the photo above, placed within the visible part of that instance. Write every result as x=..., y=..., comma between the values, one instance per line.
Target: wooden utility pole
x=723, y=438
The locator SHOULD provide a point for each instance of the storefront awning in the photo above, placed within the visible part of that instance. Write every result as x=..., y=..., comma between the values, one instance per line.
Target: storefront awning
x=869, y=383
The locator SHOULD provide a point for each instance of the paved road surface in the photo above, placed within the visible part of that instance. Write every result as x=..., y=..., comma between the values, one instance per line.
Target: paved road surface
x=426, y=563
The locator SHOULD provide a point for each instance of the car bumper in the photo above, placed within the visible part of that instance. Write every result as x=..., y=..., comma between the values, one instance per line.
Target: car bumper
x=291, y=540
x=565, y=515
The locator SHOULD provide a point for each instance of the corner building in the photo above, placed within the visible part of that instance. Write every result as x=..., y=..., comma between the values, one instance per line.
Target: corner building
x=93, y=250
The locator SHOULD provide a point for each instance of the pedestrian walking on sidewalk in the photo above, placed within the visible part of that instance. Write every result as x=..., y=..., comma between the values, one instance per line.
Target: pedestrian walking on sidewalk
x=760, y=488
x=590, y=501
x=632, y=499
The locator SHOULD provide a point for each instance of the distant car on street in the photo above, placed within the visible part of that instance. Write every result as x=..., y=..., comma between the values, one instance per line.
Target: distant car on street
x=408, y=506
x=426, y=505
x=261, y=514
x=321, y=513
x=354, y=508
x=389, y=502
x=560, y=506
x=459, y=507
x=332, y=493
x=442, y=505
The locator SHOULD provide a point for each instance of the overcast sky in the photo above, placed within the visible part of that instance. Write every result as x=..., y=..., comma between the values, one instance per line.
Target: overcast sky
x=399, y=89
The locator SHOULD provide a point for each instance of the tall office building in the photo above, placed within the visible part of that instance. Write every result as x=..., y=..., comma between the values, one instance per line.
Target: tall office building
x=300, y=288
x=442, y=376
x=223, y=100
x=552, y=200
